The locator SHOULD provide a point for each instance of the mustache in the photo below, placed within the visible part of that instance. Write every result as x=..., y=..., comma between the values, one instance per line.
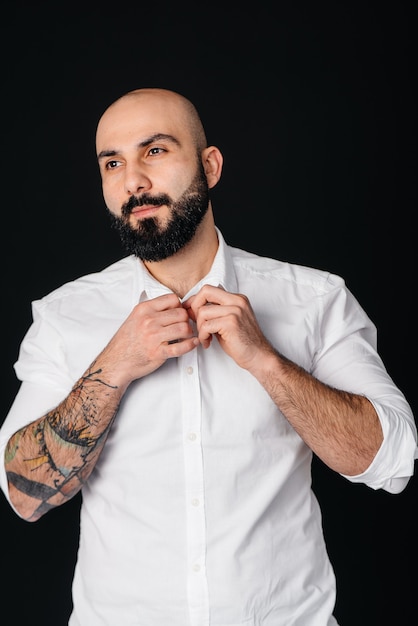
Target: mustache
x=146, y=198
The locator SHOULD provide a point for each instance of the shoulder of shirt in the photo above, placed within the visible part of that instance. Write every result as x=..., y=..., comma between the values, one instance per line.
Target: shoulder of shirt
x=253, y=264
x=105, y=279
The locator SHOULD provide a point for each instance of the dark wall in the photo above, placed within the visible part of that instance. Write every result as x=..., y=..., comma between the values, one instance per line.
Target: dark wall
x=314, y=110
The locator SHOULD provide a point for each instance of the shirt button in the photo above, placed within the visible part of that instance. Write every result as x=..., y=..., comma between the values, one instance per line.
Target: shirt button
x=196, y=568
x=195, y=502
x=189, y=370
x=192, y=436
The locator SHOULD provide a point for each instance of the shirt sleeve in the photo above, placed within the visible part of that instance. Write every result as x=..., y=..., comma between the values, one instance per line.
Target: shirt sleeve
x=348, y=359
x=45, y=382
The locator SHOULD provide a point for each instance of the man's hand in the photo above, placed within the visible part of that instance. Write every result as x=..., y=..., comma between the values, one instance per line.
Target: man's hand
x=154, y=331
x=230, y=317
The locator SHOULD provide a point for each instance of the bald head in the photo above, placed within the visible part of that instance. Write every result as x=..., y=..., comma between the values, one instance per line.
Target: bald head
x=156, y=169
x=156, y=102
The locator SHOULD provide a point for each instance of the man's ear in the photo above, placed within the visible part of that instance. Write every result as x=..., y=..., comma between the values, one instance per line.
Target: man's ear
x=212, y=160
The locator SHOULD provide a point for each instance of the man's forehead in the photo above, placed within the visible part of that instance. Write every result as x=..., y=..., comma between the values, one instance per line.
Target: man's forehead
x=145, y=108
x=134, y=123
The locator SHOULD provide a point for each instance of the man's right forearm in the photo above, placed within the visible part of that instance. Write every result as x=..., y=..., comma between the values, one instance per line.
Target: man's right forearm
x=48, y=461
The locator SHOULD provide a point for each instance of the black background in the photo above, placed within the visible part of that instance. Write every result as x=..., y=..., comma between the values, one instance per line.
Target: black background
x=313, y=107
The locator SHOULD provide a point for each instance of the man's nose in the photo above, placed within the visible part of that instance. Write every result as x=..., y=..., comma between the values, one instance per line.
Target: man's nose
x=136, y=179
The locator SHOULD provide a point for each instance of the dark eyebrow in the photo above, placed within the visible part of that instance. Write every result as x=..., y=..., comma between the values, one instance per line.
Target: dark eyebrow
x=142, y=144
x=158, y=137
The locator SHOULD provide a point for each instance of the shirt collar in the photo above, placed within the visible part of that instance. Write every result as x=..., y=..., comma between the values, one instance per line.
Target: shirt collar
x=221, y=274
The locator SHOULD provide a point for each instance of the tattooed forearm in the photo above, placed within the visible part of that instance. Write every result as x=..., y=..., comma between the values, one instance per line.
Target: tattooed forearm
x=78, y=419
x=48, y=461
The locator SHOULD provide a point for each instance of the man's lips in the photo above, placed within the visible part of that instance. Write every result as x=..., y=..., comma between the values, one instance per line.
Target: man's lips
x=145, y=210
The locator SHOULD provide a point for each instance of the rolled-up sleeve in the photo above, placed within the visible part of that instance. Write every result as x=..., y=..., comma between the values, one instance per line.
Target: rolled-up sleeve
x=348, y=359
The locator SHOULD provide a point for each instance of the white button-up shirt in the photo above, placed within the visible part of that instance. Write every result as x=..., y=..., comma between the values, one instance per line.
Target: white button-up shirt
x=200, y=510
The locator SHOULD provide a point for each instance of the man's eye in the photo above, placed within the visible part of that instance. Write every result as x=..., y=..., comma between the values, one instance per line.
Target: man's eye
x=110, y=165
x=155, y=150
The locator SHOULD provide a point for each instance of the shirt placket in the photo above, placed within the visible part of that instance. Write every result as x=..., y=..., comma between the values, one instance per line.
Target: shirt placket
x=197, y=587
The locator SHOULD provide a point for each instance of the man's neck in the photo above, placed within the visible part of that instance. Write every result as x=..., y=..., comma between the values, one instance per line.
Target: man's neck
x=184, y=269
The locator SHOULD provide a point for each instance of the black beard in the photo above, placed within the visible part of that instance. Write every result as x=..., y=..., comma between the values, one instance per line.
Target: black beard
x=148, y=240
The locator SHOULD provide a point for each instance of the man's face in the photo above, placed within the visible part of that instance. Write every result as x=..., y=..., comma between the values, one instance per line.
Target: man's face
x=153, y=181
x=152, y=239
